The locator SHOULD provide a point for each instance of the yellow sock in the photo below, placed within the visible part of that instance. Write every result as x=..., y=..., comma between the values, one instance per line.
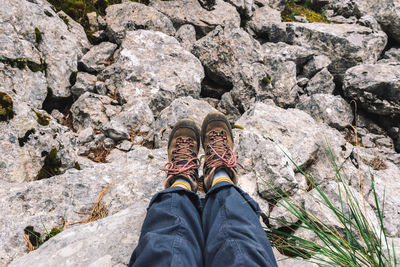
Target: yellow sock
x=180, y=182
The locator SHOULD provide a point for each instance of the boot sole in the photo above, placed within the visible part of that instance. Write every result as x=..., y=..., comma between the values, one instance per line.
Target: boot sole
x=214, y=116
x=186, y=123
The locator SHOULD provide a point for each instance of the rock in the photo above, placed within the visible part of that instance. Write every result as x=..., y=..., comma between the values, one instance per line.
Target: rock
x=85, y=82
x=392, y=55
x=186, y=35
x=47, y=202
x=89, y=111
x=285, y=52
x=137, y=120
x=98, y=57
x=44, y=47
x=293, y=129
x=345, y=8
x=23, y=85
x=231, y=58
x=116, y=131
x=184, y=107
x=321, y=83
x=120, y=234
x=130, y=16
x=316, y=64
x=346, y=45
x=373, y=163
x=386, y=12
x=93, y=23
x=191, y=12
x=227, y=107
x=26, y=141
x=302, y=82
x=125, y=145
x=153, y=66
x=86, y=135
x=333, y=110
x=285, y=261
x=370, y=22
x=265, y=160
x=343, y=20
x=244, y=7
x=375, y=87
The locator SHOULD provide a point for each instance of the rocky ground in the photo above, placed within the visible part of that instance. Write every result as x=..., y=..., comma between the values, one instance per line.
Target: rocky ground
x=76, y=116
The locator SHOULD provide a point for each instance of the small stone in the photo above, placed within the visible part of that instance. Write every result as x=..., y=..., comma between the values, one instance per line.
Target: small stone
x=321, y=83
x=316, y=64
x=85, y=82
x=97, y=58
x=86, y=135
x=302, y=82
x=125, y=145
x=186, y=35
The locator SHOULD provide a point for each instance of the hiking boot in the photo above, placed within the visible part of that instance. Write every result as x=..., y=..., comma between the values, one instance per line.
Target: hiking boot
x=217, y=138
x=183, y=147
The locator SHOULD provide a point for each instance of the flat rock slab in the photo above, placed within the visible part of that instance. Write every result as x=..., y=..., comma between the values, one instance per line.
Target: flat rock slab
x=45, y=203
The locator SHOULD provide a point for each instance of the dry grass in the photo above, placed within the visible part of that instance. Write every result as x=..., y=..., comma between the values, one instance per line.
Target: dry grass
x=99, y=154
x=99, y=211
x=28, y=243
x=376, y=164
x=68, y=120
x=134, y=133
x=351, y=136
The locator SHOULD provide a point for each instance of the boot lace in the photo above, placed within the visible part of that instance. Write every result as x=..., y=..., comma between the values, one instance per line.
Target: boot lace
x=184, y=160
x=220, y=154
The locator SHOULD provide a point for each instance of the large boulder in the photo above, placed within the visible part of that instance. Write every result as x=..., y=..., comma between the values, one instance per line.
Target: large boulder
x=33, y=32
x=346, y=45
x=333, y=110
x=191, y=12
x=386, y=12
x=134, y=178
x=30, y=134
x=153, y=66
x=233, y=59
x=375, y=87
x=131, y=16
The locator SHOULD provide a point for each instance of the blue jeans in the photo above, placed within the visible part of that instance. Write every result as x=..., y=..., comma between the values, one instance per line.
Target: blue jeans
x=178, y=231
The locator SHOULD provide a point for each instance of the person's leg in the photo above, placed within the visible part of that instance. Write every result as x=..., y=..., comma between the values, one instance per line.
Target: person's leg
x=233, y=233
x=171, y=233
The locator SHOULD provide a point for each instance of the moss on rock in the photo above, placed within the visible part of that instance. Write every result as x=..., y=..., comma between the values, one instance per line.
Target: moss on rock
x=42, y=119
x=51, y=166
x=292, y=10
x=6, y=107
x=38, y=36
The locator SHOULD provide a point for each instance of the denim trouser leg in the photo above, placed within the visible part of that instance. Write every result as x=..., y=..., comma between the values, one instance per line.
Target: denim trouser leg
x=233, y=232
x=171, y=233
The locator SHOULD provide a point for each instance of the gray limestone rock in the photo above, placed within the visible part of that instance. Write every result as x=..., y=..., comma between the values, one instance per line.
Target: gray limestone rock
x=98, y=57
x=191, y=12
x=130, y=16
x=392, y=55
x=386, y=12
x=294, y=130
x=28, y=33
x=321, y=83
x=333, y=110
x=375, y=87
x=227, y=107
x=316, y=64
x=232, y=58
x=244, y=7
x=266, y=162
x=186, y=35
x=89, y=111
x=153, y=66
x=184, y=107
x=85, y=82
x=134, y=178
x=346, y=45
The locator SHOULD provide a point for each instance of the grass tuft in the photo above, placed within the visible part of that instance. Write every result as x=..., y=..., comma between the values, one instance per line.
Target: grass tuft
x=292, y=10
x=359, y=242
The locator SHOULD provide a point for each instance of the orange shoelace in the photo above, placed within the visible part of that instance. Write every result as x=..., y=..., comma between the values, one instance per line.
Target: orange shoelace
x=184, y=160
